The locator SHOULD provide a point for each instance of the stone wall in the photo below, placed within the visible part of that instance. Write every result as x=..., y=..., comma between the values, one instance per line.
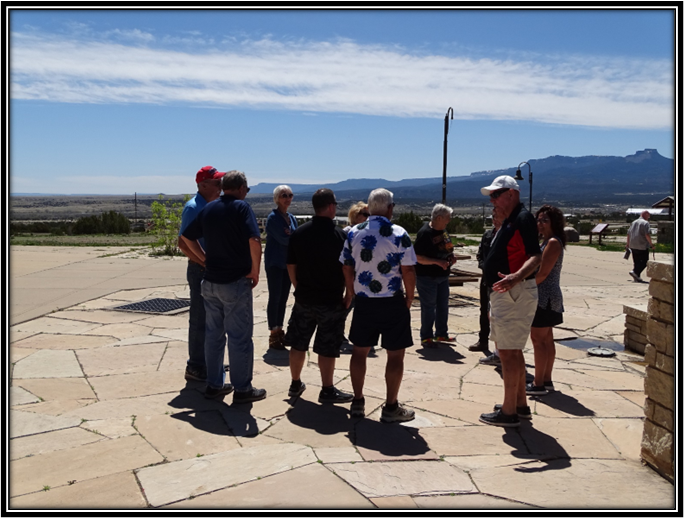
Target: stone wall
x=657, y=444
x=666, y=231
x=636, y=318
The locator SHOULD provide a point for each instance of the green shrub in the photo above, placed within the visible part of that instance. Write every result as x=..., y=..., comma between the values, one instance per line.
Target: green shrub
x=166, y=222
x=409, y=221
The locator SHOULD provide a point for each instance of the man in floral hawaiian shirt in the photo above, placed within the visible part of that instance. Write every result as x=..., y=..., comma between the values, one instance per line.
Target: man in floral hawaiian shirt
x=379, y=261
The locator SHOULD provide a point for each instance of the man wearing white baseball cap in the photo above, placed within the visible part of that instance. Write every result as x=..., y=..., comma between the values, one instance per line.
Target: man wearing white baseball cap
x=510, y=268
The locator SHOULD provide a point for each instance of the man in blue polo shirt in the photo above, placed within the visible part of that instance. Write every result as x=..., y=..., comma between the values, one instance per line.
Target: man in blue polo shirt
x=232, y=256
x=208, y=189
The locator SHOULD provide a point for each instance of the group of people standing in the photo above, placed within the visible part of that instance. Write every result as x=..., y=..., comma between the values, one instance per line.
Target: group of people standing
x=374, y=267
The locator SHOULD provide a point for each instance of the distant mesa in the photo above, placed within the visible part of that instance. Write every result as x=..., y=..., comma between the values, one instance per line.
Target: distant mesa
x=588, y=179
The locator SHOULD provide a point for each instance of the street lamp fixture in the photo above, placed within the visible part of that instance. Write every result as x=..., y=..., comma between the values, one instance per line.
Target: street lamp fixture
x=518, y=176
x=446, y=131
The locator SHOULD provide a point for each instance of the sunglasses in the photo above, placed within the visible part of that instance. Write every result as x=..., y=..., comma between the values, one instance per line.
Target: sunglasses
x=494, y=195
x=286, y=195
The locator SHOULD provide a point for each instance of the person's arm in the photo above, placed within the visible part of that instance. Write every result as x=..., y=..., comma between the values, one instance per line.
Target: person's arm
x=194, y=249
x=425, y=260
x=188, y=252
x=292, y=272
x=648, y=236
x=510, y=280
x=275, y=229
x=408, y=274
x=348, y=272
x=255, y=252
x=550, y=255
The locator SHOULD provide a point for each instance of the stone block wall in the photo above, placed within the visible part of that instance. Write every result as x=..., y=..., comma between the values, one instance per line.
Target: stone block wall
x=657, y=444
x=666, y=231
x=636, y=318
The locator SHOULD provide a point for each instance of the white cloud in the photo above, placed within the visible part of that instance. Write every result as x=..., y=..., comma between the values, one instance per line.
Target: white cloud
x=346, y=77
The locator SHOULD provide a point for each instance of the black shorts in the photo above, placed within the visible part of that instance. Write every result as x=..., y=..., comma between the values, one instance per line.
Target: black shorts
x=388, y=317
x=304, y=320
x=546, y=317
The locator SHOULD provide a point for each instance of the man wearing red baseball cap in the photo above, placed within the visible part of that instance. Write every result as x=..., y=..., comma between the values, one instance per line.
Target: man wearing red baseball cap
x=208, y=189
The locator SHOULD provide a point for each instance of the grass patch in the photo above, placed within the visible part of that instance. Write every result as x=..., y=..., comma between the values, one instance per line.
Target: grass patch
x=660, y=248
x=83, y=240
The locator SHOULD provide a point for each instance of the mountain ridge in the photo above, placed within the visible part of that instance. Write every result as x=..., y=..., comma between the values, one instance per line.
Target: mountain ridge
x=588, y=178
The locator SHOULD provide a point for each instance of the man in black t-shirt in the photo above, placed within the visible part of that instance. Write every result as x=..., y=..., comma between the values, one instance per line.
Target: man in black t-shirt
x=316, y=274
x=435, y=255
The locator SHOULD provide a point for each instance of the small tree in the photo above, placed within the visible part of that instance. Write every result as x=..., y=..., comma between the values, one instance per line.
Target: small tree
x=166, y=222
x=409, y=221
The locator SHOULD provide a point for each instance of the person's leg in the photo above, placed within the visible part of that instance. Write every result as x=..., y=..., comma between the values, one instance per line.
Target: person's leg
x=197, y=318
x=442, y=308
x=297, y=361
x=239, y=325
x=215, y=335
x=640, y=261
x=327, y=367
x=274, y=282
x=427, y=293
x=484, y=315
x=357, y=369
x=394, y=372
x=513, y=369
x=282, y=301
x=539, y=337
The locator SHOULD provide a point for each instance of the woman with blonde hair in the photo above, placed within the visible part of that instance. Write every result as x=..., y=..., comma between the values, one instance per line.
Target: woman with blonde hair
x=358, y=213
x=280, y=224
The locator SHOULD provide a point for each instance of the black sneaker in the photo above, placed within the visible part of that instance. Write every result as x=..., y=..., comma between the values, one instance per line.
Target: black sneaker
x=548, y=385
x=480, y=345
x=254, y=394
x=533, y=390
x=523, y=412
x=195, y=373
x=358, y=407
x=398, y=415
x=498, y=418
x=334, y=396
x=213, y=393
x=296, y=391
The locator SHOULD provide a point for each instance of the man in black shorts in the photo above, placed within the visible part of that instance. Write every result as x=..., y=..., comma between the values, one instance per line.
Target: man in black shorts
x=379, y=261
x=316, y=274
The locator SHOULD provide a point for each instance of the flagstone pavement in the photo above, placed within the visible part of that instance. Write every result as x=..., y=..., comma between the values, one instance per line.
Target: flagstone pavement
x=100, y=416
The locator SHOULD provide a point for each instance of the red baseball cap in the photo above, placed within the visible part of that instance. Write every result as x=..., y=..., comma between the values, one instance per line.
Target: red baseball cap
x=208, y=173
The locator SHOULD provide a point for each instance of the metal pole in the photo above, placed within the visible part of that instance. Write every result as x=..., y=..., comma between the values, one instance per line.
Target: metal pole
x=444, y=168
x=528, y=165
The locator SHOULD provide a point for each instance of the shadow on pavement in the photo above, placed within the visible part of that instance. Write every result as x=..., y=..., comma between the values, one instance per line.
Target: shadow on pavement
x=323, y=419
x=277, y=358
x=538, y=443
x=391, y=440
x=564, y=403
x=444, y=353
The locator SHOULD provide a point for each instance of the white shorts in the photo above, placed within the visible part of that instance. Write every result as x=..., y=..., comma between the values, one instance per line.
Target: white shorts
x=512, y=314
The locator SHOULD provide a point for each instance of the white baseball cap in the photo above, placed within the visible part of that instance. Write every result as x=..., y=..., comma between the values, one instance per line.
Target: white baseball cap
x=500, y=182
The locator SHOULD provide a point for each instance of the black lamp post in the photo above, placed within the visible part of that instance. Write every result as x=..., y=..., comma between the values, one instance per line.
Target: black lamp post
x=446, y=131
x=518, y=176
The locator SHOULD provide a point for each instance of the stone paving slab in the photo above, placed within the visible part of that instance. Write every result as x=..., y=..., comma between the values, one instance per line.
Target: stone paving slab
x=54, y=469
x=19, y=396
x=167, y=483
x=131, y=396
x=48, y=364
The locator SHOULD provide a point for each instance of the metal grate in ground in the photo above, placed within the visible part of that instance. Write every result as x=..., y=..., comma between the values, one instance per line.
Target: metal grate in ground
x=156, y=306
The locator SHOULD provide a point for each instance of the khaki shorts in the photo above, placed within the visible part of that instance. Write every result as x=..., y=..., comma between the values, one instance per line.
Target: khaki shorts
x=512, y=314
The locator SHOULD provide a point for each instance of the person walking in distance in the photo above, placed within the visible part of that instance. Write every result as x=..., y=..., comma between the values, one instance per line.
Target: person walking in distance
x=638, y=242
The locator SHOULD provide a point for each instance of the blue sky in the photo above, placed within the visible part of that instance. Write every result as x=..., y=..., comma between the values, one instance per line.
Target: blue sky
x=124, y=101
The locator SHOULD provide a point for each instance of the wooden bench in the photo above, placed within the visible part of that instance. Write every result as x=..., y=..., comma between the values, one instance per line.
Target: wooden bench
x=457, y=277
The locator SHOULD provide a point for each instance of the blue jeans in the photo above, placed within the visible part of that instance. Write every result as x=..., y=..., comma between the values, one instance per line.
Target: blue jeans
x=229, y=311
x=434, y=305
x=278, y=281
x=197, y=317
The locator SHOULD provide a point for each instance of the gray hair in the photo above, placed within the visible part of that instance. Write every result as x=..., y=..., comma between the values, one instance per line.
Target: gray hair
x=278, y=190
x=379, y=201
x=233, y=180
x=441, y=210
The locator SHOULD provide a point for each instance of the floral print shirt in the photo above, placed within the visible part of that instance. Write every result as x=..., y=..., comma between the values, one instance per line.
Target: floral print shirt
x=377, y=249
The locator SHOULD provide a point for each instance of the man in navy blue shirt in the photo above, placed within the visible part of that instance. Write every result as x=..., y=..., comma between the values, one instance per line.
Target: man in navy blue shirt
x=232, y=256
